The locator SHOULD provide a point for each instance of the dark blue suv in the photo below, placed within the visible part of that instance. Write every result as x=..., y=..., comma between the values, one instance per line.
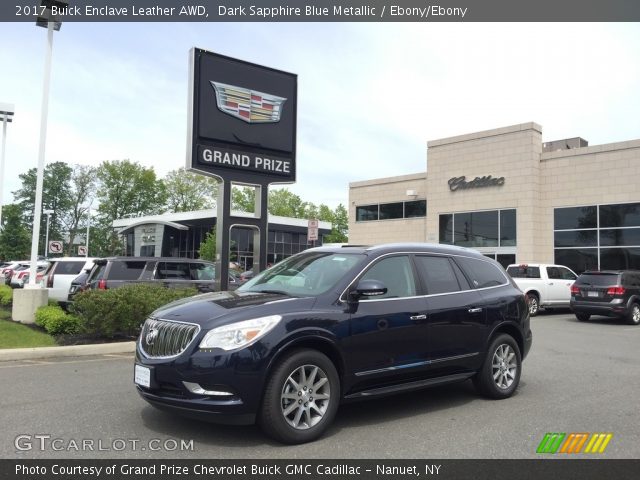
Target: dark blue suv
x=331, y=325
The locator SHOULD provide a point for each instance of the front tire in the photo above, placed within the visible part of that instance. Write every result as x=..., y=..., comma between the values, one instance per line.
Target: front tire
x=500, y=373
x=634, y=315
x=301, y=397
x=533, y=302
x=583, y=317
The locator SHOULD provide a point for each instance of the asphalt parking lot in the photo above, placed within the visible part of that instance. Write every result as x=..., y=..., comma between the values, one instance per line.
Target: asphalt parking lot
x=579, y=377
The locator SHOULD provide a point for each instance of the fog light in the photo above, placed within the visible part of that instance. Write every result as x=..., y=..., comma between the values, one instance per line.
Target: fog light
x=198, y=390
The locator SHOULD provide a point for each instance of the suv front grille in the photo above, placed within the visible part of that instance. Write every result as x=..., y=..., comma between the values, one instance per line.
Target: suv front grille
x=162, y=339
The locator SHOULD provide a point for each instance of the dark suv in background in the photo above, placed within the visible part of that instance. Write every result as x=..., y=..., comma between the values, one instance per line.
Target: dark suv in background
x=113, y=272
x=612, y=293
x=335, y=324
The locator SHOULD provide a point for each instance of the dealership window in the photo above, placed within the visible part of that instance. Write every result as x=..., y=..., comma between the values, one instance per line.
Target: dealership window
x=492, y=228
x=598, y=237
x=390, y=211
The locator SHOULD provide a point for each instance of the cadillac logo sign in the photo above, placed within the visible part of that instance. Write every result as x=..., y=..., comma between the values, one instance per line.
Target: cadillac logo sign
x=248, y=105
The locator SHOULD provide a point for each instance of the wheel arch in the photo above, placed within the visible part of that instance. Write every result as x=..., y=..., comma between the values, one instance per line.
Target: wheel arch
x=511, y=330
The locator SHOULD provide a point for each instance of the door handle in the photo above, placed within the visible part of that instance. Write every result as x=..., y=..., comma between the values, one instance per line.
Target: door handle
x=418, y=317
x=475, y=310
x=550, y=283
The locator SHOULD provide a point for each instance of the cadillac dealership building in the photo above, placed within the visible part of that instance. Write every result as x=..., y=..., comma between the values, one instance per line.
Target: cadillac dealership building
x=514, y=198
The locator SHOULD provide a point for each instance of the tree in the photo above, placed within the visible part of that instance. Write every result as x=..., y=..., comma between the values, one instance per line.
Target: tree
x=15, y=240
x=243, y=199
x=56, y=195
x=83, y=182
x=208, y=246
x=125, y=189
x=284, y=203
x=339, y=219
x=188, y=191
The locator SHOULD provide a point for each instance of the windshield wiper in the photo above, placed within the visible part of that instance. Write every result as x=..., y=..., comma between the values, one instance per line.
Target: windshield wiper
x=276, y=292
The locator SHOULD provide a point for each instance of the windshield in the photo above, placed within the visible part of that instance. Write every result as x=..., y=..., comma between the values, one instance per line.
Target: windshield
x=305, y=274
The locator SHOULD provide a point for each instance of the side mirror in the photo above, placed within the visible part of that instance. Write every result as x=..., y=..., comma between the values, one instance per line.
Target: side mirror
x=368, y=288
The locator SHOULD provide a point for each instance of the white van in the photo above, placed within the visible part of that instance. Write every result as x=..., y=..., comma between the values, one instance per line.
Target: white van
x=61, y=273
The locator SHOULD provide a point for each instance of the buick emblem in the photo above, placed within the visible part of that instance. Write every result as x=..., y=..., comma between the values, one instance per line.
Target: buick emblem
x=250, y=106
x=151, y=336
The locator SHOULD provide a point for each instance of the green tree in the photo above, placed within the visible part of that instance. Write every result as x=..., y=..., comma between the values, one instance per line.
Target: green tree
x=339, y=219
x=83, y=183
x=188, y=191
x=284, y=203
x=56, y=195
x=208, y=246
x=243, y=199
x=15, y=239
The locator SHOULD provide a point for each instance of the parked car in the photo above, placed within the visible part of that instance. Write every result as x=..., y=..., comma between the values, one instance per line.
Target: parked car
x=612, y=293
x=20, y=276
x=78, y=284
x=172, y=272
x=546, y=286
x=61, y=273
x=7, y=270
x=331, y=325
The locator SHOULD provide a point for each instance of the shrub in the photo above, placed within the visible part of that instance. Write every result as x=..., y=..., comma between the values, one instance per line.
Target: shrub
x=6, y=295
x=56, y=321
x=121, y=311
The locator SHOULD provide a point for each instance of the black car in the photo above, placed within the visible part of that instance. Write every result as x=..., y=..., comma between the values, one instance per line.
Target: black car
x=612, y=293
x=335, y=324
x=113, y=272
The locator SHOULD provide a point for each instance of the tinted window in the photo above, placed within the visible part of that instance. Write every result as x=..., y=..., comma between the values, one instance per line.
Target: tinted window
x=523, y=271
x=560, y=273
x=476, y=229
x=620, y=258
x=575, y=218
x=69, y=268
x=366, y=212
x=417, y=208
x=577, y=259
x=391, y=210
x=579, y=238
x=437, y=274
x=598, y=279
x=204, y=271
x=482, y=273
x=507, y=228
x=446, y=229
x=396, y=274
x=625, y=215
x=620, y=237
x=173, y=270
x=97, y=273
x=148, y=251
x=126, y=270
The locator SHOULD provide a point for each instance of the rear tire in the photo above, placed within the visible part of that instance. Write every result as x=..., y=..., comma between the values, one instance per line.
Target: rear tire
x=634, y=315
x=500, y=373
x=533, y=302
x=301, y=397
x=583, y=317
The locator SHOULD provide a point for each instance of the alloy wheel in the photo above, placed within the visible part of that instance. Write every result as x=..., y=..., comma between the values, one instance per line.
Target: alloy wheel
x=504, y=366
x=305, y=397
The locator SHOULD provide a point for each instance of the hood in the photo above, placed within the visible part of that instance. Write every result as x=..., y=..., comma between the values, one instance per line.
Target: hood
x=213, y=309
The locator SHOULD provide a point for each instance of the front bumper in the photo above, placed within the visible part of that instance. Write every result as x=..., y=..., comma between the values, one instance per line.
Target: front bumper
x=236, y=373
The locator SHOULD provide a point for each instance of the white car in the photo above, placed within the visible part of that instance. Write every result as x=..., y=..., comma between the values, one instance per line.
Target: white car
x=61, y=273
x=544, y=285
x=20, y=274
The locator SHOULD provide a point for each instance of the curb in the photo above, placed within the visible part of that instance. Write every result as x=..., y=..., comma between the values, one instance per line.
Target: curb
x=66, y=351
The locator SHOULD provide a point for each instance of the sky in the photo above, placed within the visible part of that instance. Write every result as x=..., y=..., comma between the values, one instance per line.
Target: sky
x=370, y=95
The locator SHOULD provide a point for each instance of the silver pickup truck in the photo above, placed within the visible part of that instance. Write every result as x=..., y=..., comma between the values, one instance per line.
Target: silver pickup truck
x=544, y=285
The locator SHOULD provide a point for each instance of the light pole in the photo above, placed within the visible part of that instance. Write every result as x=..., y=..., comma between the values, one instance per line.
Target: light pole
x=46, y=238
x=6, y=115
x=51, y=23
x=88, y=227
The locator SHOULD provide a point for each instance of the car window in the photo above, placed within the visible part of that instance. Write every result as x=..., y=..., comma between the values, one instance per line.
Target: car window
x=438, y=275
x=126, y=270
x=566, y=274
x=173, y=271
x=203, y=271
x=598, y=279
x=97, y=273
x=523, y=271
x=69, y=268
x=396, y=274
x=482, y=273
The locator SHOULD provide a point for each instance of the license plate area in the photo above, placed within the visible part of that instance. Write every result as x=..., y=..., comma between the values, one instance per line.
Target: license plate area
x=142, y=376
x=593, y=294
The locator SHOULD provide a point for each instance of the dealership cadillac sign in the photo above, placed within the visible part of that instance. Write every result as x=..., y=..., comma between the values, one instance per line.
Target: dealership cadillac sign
x=461, y=183
x=242, y=120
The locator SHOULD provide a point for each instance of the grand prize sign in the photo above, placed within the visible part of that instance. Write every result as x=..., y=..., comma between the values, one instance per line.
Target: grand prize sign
x=242, y=130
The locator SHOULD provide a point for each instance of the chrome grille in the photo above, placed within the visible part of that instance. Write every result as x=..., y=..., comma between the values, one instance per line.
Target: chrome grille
x=163, y=339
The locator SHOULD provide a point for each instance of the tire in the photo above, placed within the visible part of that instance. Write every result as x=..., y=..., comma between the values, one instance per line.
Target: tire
x=633, y=318
x=533, y=302
x=583, y=317
x=292, y=410
x=500, y=373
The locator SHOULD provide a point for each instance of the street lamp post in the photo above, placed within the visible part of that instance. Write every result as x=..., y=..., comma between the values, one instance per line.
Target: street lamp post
x=6, y=115
x=88, y=227
x=46, y=238
x=51, y=23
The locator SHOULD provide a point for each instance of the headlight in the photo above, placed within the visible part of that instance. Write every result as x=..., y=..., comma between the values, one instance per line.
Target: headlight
x=240, y=334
